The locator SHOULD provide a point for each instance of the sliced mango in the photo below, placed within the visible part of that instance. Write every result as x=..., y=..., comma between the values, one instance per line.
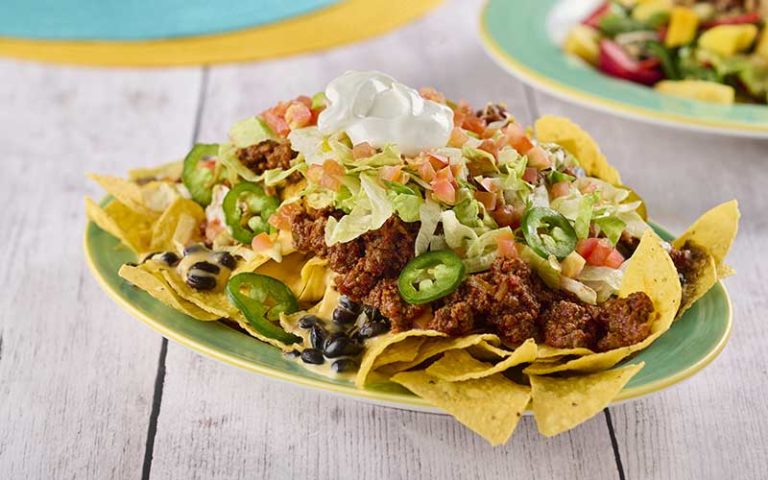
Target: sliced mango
x=583, y=41
x=683, y=23
x=647, y=9
x=728, y=39
x=698, y=90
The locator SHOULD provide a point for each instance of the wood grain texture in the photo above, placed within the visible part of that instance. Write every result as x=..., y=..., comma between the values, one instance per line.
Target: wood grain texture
x=715, y=425
x=76, y=373
x=217, y=422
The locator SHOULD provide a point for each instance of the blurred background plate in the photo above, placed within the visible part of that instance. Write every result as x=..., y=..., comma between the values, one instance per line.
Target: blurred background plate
x=688, y=346
x=523, y=37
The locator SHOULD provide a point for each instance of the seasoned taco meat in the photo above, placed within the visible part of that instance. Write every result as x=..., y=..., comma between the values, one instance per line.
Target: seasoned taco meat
x=267, y=155
x=568, y=324
x=624, y=321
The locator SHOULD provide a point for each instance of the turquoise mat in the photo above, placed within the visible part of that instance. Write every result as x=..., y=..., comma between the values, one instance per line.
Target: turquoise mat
x=141, y=19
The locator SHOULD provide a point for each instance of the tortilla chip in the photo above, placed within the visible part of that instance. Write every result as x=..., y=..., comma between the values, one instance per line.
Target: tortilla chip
x=436, y=346
x=170, y=172
x=153, y=283
x=377, y=345
x=459, y=365
x=288, y=271
x=158, y=196
x=490, y=407
x=330, y=300
x=650, y=270
x=404, y=351
x=705, y=278
x=187, y=232
x=714, y=232
x=545, y=351
x=561, y=403
x=165, y=228
x=131, y=228
x=488, y=352
x=126, y=192
x=579, y=143
x=314, y=280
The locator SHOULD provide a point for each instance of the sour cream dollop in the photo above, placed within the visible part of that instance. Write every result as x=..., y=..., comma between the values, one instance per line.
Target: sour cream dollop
x=373, y=107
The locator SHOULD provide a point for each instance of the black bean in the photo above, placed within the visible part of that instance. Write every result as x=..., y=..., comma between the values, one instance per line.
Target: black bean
x=373, y=328
x=168, y=258
x=313, y=356
x=292, y=354
x=225, y=260
x=353, y=307
x=201, y=282
x=206, y=267
x=195, y=247
x=339, y=344
x=343, y=365
x=308, y=321
x=342, y=316
x=317, y=336
x=371, y=312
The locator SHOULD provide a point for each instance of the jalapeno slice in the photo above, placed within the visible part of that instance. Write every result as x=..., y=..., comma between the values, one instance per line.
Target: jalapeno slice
x=196, y=175
x=247, y=209
x=262, y=299
x=548, y=233
x=430, y=276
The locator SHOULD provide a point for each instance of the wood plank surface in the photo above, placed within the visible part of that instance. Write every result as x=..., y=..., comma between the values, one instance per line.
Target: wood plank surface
x=715, y=424
x=76, y=372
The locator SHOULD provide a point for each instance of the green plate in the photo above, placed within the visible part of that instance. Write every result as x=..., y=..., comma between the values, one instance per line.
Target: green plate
x=523, y=37
x=692, y=342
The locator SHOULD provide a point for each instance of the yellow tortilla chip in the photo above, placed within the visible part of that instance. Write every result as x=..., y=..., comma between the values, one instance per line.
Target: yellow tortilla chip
x=714, y=232
x=153, y=283
x=314, y=277
x=545, y=351
x=404, y=351
x=459, y=365
x=126, y=192
x=131, y=228
x=165, y=228
x=330, y=300
x=490, y=406
x=377, y=345
x=288, y=271
x=170, y=172
x=436, y=346
x=650, y=270
x=579, y=143
x=158, y=196
x=488, y=352
x=706, y=277
x=561, y=403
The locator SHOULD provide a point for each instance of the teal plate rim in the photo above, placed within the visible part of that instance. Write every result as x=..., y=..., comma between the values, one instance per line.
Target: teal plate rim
x=521, y=45
x=710, y=318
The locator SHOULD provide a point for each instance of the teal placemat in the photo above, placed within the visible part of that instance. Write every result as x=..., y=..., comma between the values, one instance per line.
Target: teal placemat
x=141, y=19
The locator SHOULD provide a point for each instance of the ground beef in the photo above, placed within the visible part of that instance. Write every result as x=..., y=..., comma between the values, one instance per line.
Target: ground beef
x=625, y=321
x=368, y=266
x=268, y=155
x=512, y=301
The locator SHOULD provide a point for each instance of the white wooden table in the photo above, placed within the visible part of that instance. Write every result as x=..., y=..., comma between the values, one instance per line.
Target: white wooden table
x=86, y=391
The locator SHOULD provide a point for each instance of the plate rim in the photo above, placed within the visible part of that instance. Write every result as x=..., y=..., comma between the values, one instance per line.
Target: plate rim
x=393, y=400
x=565, y=92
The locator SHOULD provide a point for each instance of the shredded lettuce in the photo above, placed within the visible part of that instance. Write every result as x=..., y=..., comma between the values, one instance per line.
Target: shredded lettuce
x=406, y=205
x=276, y=175
x=547, y=268
x=585, y=294
x=604, y=281
x=372, y=208
x=316, y=148
x=584, y=216
x=612, y=227
x=249, y=132
x=481, y=253
x=389, y=156
x=456, y=233
x=467, y=208
x=479, y=161
x=429, y=213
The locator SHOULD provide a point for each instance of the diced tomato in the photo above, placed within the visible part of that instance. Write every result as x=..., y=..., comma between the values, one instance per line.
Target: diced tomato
x=426, y=171
x=304, y=100
x=432, y=94
x=752, y=17
x=328, y=175
x=281, y=219
x=437, y=161
x=209, y=164
x=614, y=259
x=531, y=175
x=298, y=115
x=517, y=138
x=508, y=216
x=560, y=189
x=458, y=138
x=444, y=174
x=593, y=20
x=363, y=150
x=261, y=242
x=392, y=173
x=505, y=244
x=490, y=147
x=599, y=252
x=276, y=122
x=456, y=169
x=488, y=199
x=444, y=191
x=465, y=118
x=538, y=158
x=490, y=184
x=489, y=133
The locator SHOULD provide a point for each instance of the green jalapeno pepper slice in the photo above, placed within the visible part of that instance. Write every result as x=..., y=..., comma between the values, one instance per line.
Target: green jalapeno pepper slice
x=247, y=209
x=197, y=177
x=430, y=276
x=547, y=232
x=262, y=299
